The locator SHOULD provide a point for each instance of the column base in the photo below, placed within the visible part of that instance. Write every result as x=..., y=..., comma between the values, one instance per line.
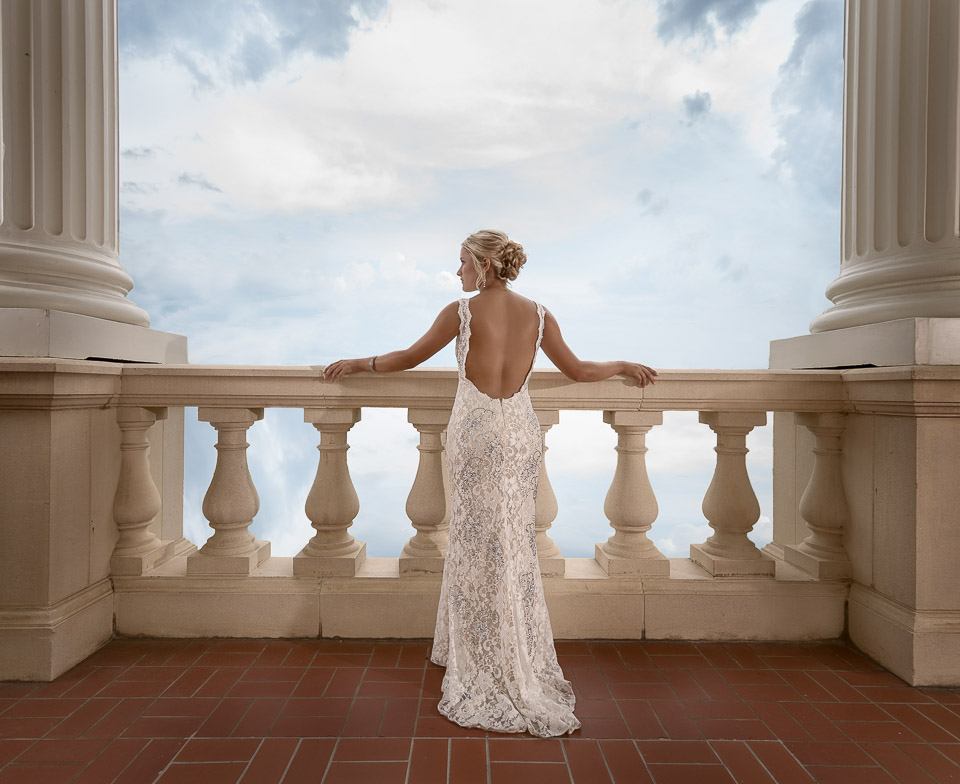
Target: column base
x=34, y=332
x=719, y=566
x=42, y=643
x=922, y=647
x=346, y=565
x=820, y=568
x=654, y=565
x=136, y=565
x=912, y=341
x=201, y=563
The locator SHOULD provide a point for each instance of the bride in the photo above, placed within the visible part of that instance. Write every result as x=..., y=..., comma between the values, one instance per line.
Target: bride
x=493, y=632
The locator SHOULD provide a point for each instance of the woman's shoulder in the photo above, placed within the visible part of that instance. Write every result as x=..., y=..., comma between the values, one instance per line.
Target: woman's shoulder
x=525, y=302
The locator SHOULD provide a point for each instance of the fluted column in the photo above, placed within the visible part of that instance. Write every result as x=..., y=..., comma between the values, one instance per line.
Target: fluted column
x=901, y=193
x=58, y=171
x=552, y=562
x=427, y=505
x=730, y=505
x=231, y=501
x=332, y=503
x=137, y=501
x=823, y=505
x=630, y=505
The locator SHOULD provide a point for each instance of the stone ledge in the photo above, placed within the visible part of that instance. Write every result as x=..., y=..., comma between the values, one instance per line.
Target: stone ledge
x=378, y=602
x=911, y=341
x=33, y=332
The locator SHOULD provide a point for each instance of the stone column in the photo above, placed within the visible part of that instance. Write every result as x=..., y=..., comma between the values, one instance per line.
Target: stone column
x=630, y=505
x=58, y=225
x=901, y=194
x=427, y=504
x=552, y=562
x=63, y=294
x=63, y=291
x=897, y=297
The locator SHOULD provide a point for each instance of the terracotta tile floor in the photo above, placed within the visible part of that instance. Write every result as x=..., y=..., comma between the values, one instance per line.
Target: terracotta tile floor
x=328, y=711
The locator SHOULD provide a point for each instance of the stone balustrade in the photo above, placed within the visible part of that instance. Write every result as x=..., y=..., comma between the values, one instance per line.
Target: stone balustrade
x=723, y=399
x=593, y=597
x=797, y=587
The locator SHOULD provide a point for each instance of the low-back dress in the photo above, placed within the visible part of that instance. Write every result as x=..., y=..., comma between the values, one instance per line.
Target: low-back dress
x=493, y=632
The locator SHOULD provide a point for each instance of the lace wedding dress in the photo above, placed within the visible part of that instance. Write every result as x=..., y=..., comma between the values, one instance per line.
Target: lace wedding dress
x=493, y=633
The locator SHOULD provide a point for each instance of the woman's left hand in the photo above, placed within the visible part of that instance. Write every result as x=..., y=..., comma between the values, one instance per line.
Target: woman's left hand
x=335, y=371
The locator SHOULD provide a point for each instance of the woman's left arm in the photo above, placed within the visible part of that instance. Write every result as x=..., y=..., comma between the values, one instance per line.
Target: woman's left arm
x=444, y=329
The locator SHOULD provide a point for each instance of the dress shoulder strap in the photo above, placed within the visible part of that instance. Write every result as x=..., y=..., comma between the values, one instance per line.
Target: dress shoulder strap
x=536, y=350
x=541, y=311
x=463, y=337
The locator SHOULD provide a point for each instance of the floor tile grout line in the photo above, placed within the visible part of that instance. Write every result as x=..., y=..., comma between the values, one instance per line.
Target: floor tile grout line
x=333, y=754
x=406, y=778
x=416, y=718
x=287, y=699
x=252, y=758
x=566, y=760
x=928, y=718
x=129, y=762
x=293, y=756
x=606, y=763
x=486, y=749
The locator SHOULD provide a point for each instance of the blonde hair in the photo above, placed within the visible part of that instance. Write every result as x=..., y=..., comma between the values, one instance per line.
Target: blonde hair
x=506, y=256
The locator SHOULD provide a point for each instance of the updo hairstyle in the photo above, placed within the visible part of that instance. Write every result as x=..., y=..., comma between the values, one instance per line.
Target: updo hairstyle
x=506, y=256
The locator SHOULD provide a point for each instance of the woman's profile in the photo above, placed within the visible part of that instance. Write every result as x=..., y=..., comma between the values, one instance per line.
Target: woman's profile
x=493, y=632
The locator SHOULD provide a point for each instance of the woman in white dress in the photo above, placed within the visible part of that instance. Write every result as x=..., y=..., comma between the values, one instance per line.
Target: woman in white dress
x=493, y=632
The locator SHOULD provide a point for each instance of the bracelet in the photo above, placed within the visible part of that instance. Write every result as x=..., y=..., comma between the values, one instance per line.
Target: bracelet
x=372, y=360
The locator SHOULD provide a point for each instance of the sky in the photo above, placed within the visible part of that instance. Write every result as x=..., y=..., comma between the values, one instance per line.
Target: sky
x=297, y=177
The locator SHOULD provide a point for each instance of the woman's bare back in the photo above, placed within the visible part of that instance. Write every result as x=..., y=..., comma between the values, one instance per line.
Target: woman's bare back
x=503, y=339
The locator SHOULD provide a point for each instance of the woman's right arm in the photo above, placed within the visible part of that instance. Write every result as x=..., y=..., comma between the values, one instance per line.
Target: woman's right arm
x=444, y=329
x=575, y=369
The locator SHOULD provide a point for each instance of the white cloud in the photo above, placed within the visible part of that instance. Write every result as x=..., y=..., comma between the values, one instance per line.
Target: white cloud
x=377, y=126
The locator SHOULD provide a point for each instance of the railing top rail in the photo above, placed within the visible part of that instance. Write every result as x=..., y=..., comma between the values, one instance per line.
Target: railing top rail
x=58, y=383
x=304, y=386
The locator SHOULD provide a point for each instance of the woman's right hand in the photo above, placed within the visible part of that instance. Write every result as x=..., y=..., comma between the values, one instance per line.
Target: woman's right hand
x=335, y=371
x=642, y=374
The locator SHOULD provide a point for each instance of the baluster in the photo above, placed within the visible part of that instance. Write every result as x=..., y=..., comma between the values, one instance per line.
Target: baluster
x=137, y=501
x=552, y=562
x=427, y=502
x=823, y=505
x=630, y=505
x=730, y=505
x=231, y=501
x=332, y=503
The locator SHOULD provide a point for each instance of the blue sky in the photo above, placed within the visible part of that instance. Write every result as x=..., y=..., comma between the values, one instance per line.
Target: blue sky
x=296, y=178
